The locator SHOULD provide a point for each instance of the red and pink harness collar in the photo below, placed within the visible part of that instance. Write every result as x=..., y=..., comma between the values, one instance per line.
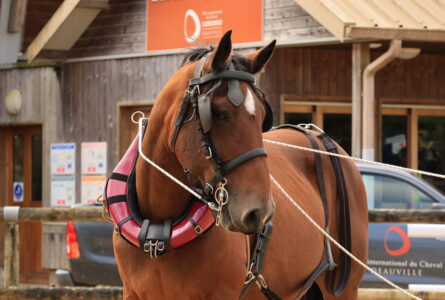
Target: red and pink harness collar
x=156, y=239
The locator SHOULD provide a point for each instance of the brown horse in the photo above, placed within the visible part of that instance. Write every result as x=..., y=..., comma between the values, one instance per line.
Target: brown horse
x=214, y=266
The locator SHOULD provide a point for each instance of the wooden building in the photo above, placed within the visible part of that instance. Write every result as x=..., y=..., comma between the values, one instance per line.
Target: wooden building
x=85, y=87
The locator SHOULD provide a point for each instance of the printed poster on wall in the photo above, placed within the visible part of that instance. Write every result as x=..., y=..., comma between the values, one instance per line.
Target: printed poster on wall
x=173, y=24
x=63, y=158
x=63, y=190
x=91, y=188
x=94, y=158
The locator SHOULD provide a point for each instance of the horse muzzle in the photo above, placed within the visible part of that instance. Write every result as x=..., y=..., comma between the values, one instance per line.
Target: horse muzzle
x=250, y=219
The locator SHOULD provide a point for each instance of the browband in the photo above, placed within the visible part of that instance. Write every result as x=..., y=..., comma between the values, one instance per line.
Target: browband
x=224, y=74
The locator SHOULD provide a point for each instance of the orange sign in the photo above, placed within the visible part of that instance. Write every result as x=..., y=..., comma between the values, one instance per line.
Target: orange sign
x=173, y=24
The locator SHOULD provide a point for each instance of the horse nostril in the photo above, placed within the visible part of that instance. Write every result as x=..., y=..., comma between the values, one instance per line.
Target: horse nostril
x=252, y=219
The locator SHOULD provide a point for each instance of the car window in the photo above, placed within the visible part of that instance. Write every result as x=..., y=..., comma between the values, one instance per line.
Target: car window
x=389, y=192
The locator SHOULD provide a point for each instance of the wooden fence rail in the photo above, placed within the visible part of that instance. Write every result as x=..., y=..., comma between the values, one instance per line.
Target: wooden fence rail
x=115, y=293
x=12, y=216
x=94, y=214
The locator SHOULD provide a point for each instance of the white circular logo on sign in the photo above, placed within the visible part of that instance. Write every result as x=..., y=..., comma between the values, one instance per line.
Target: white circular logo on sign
x=194, y=16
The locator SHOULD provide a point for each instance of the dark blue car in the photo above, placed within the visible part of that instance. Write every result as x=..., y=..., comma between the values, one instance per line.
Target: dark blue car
x=410, y=255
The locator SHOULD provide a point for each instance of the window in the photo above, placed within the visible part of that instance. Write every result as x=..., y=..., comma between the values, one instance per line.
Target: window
x=389, y=192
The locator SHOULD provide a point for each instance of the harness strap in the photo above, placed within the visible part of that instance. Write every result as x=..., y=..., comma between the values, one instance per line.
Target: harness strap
x=320, y=269
x=256, y=265
x=322, y=187
x=269, y=294
x=186, y=102
x=116, y=199
x=327, y=263
x=228, y=167
x=344, y=223
x=119, y=177
x=223, y=74
x=180, y=117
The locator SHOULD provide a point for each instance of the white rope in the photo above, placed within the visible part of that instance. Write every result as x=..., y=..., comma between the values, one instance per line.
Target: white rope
x=188, y=189
x=356, y=159
x=337, y=244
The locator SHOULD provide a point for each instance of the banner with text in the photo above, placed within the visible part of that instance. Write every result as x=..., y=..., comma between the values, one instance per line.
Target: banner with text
x=173, y=24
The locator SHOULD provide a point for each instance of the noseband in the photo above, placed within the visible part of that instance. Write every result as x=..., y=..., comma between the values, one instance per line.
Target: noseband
x=201, y=106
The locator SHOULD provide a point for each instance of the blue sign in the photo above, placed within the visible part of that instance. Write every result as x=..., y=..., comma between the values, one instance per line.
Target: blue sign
x=62, y=146
x=17, y=191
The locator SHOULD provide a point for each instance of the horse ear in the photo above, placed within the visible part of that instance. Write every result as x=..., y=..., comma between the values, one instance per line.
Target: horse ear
x=222, y=53
x=260, y=58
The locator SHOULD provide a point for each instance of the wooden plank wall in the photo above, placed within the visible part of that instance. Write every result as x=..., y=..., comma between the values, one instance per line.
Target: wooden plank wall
x=316, y=72
x=38, y=12
x=92, y=90
x=41, y=105
x=122, y=28
x=286, y=21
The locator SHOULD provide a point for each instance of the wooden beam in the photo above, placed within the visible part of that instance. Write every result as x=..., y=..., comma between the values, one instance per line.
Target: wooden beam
x=62, y=293
x=101, y=4
x=115, y=293
x=393, y=294
x=333, y=20
x=62, y=214
x=11, y=255
x=413, y=139
x=61, y=14
x=427, y=35
x=17, y=13
x=59, y=214
x=436, y=216
x=360, y=59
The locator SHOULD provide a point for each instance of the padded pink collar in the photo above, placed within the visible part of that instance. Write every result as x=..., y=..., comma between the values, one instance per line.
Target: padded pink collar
x=124, y=212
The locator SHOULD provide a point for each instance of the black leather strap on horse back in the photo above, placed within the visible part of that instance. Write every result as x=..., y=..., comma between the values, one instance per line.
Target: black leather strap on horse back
x=320, y=177
x=229, y=166
x=344, y=223
x=320, y=269
x=224, y=74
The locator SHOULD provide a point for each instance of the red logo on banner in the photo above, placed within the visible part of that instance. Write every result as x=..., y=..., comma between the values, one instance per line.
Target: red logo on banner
x=405, y=239
x=173, y=24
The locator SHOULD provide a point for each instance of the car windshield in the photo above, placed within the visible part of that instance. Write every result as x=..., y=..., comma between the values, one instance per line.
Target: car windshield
x=389, y=192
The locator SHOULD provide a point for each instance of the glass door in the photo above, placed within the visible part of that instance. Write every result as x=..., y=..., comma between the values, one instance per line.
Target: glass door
x=431, y=147
x=23, y=178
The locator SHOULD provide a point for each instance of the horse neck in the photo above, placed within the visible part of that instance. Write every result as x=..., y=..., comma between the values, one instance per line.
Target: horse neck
x=159, y=197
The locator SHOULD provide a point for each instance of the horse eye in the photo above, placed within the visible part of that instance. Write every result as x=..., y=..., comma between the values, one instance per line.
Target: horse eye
x=220, y=115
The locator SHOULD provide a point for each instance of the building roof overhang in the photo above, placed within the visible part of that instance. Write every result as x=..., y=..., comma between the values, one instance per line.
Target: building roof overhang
x=65, y=26
x=415, y=20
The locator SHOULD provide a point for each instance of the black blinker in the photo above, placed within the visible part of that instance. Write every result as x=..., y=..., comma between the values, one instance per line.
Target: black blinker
x=268, y=119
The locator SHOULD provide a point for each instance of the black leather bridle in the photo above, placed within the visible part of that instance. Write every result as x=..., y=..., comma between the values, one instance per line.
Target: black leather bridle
x=201, y=105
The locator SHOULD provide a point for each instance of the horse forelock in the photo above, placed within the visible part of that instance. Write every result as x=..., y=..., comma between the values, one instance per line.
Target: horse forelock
x=240, y=62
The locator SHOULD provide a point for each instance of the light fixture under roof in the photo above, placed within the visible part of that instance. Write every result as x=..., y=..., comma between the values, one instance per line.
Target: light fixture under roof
x=408, y=53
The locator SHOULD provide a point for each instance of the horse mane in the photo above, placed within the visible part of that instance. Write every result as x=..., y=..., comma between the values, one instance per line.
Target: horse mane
x=240, y=62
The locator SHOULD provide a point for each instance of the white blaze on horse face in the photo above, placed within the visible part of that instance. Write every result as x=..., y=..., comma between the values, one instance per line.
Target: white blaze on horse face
x=249, y=103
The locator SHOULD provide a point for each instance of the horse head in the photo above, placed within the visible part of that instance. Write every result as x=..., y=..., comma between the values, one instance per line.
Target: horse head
x=217, y=134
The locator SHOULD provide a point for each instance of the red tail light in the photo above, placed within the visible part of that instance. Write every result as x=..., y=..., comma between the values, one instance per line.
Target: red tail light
x=72, y=246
